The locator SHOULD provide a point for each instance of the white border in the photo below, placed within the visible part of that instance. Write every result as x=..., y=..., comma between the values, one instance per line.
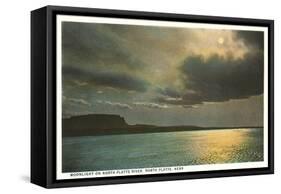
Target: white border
x=209, y=167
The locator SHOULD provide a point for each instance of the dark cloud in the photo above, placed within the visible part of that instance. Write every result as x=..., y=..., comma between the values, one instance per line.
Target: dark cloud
x=219, y=79
x=171, y=92
x=96, y=44
x=252, y=39
x=105, y=78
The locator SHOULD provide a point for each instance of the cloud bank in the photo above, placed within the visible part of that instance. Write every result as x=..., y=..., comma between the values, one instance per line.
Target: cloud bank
x=155, y=71
x=218, y=79
x=105, y=78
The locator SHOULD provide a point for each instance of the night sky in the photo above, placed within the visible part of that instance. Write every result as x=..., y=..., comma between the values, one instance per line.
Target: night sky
x=163, y=75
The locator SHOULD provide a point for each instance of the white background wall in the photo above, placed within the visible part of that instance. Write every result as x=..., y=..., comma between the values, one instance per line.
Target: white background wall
x=15, y=94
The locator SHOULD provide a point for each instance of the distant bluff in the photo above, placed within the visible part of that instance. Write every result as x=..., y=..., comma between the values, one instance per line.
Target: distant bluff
x=96, y=121
x=109, y=124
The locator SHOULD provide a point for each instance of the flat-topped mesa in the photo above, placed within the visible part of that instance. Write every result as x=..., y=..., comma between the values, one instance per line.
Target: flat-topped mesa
x=92, y=123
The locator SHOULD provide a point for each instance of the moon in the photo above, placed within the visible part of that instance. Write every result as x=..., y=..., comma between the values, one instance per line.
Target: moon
x=221, y=40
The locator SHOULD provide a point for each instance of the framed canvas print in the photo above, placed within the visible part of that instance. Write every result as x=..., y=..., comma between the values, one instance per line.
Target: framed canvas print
x=125, y=96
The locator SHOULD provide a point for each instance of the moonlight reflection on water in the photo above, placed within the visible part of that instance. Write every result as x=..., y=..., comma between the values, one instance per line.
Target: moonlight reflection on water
x=162, y=149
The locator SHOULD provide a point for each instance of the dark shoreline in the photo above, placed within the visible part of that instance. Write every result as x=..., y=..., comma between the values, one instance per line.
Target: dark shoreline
x=128, y=131
x=105, y=124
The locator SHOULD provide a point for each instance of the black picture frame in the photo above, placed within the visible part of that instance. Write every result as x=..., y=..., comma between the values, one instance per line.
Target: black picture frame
x=43, y=95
